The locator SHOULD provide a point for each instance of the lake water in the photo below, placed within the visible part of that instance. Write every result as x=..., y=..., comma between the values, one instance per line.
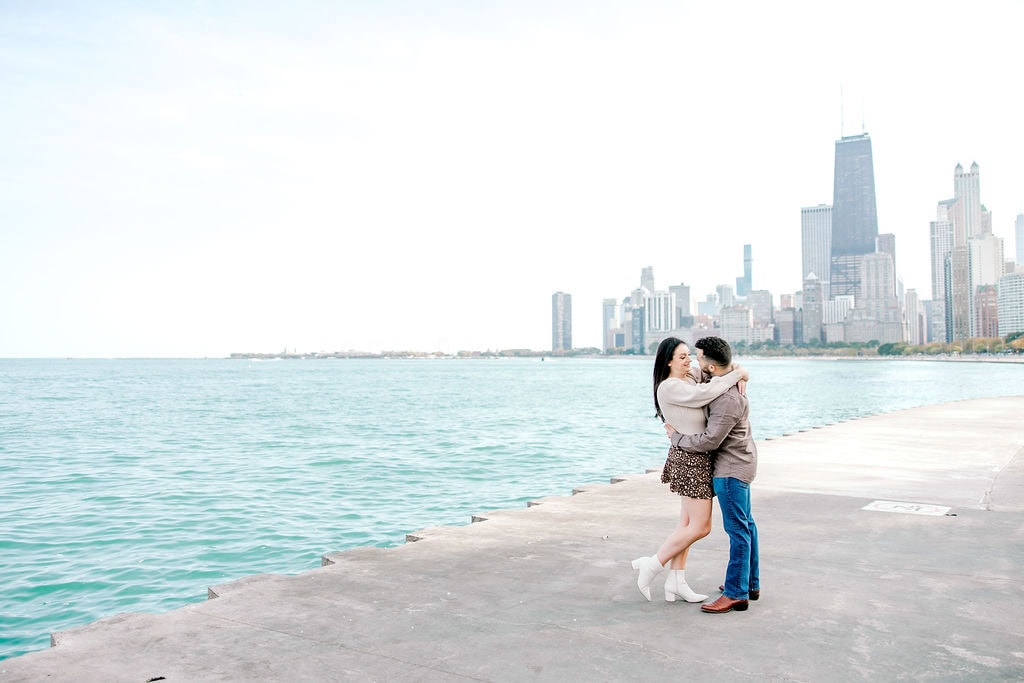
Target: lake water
x=133, y=485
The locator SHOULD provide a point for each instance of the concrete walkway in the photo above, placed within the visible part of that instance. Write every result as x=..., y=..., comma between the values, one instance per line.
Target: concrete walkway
x=852, y=588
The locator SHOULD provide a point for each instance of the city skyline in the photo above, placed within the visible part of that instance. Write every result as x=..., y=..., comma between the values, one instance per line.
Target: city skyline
x=191, y=180
x=862, y=297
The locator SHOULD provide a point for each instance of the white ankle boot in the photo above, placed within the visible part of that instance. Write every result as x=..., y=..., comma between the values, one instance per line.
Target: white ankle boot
x=676, y=586
x=649, y=568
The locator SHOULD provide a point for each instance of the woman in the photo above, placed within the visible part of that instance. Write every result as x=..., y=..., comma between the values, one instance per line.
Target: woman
x=679, y=400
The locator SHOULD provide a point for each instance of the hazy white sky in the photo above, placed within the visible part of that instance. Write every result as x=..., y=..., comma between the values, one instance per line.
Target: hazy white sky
x=197, y=178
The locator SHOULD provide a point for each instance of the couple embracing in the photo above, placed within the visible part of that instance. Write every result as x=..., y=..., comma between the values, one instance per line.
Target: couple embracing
x=712, y=454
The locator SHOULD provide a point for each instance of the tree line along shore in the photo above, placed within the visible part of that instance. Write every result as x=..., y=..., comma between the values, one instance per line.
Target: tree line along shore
x=980, y=347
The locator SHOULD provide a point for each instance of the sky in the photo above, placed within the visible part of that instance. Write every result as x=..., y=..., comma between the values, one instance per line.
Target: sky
x=192, y=179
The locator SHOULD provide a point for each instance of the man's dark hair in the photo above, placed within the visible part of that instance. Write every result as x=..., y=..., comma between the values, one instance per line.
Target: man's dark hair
x=716, y=350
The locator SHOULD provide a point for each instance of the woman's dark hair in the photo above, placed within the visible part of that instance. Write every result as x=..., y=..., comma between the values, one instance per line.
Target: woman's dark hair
x=666, y=349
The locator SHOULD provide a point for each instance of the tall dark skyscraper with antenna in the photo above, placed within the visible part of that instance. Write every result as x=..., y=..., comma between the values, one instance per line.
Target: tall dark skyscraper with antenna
x=854, y=213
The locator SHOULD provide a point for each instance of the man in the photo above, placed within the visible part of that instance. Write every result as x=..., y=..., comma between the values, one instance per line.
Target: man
x=734, y=454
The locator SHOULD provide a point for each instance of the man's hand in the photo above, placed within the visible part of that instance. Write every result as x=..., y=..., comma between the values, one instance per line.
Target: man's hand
x=742, y=386
x=670, y=430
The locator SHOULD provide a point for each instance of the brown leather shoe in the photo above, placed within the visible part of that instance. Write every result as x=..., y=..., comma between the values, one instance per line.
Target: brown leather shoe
x=723, y=604
x=753, y=595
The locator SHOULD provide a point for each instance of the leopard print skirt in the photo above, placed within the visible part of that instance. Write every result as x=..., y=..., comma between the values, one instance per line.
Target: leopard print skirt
x=688, y=474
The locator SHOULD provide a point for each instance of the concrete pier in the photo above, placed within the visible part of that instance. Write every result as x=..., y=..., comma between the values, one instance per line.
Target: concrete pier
x=891, y=549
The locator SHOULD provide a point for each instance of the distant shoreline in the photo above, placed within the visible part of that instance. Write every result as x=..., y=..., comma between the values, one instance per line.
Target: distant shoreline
x=962, y=358
x=958, y=358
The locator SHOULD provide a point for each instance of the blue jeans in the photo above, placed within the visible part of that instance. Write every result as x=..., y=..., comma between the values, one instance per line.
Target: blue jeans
x=742, y=574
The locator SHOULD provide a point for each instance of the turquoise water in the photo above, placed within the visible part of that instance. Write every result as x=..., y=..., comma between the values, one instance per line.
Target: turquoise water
x=133, y=485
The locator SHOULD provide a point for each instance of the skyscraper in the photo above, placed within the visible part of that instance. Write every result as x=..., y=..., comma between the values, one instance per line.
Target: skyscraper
x=760, y=303
x=1011, y=304
x=682, y=293
x=958, y=294
x=987, y=264
x=561, y=321
x=935, y=319
x=877, y=302
x=987, y=260
x=967, y=188
x=1018, y=234
x=854, y=212
x=736, y=323
x=975, y=259
x=886, y=244
x=660, y=311
x=637, y=319
x=914, y=317
x=986, y=312
x=610, y=325
x=816, y=244
x=647, y=278
x=941, y=235
x=788, y=326
x=725, y=296
x=812, y=309
x=743, y=284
